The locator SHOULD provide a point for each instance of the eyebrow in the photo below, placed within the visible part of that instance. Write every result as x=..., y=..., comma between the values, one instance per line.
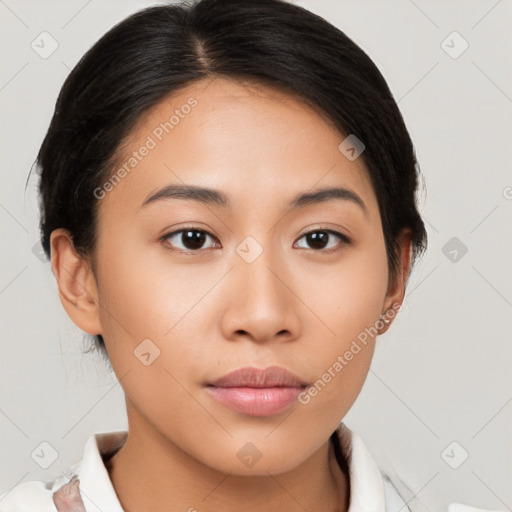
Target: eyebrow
x=217, y=198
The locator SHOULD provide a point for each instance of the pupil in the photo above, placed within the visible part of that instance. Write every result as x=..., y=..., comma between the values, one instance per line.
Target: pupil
x=318, y=239
x=193, y=239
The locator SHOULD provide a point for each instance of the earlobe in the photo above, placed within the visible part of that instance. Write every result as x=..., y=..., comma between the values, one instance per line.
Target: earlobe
x=396, y=291
x=76, y=282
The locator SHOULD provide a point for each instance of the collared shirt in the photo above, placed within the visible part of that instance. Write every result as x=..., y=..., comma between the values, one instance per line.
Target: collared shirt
x=370, y=490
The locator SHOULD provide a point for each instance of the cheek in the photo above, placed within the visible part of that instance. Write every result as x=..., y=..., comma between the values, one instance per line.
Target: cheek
x=348, y=301
x=152, y=306
x=142, y=292
x=148, y=325
x=347, y=296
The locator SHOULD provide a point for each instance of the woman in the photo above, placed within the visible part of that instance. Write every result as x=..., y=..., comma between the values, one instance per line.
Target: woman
x=228, y=201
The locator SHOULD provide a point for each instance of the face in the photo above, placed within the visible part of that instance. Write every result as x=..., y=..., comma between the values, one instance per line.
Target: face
x=191, y=288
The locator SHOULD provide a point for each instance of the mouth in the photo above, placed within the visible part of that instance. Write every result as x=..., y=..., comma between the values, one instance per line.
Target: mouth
x=257, y=392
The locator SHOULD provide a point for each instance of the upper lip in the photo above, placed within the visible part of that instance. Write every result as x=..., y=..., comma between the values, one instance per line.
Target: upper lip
x=273, y=376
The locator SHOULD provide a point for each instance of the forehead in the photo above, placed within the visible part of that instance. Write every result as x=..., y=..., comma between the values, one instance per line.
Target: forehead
x=250, y=140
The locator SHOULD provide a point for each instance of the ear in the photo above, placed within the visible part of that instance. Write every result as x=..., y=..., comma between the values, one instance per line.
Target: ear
x=76, y=283
x=396, y=288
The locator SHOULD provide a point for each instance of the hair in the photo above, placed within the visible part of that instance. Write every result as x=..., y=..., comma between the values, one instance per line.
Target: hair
x=161, y=49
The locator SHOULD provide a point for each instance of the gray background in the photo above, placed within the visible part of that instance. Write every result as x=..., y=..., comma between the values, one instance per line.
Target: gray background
x=441, y=374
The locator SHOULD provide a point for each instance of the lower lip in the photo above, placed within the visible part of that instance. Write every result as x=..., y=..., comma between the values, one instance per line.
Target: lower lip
x=256, y=401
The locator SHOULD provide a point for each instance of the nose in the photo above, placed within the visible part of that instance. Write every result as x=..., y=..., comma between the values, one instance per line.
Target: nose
x=261, y=304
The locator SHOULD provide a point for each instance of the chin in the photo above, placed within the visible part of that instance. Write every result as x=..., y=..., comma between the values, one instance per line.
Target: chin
x=248, y=460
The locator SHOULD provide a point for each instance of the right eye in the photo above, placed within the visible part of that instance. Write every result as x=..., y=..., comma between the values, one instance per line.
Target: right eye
x=191, y=238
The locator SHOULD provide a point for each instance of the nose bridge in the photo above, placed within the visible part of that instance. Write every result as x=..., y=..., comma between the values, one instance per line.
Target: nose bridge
x=259, y=262
x=261, y=305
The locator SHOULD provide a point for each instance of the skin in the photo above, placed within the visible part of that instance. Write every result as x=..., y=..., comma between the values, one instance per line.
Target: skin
x=295, y=306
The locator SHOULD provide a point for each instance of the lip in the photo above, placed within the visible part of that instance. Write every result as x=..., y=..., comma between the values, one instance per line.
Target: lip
x=257, y=392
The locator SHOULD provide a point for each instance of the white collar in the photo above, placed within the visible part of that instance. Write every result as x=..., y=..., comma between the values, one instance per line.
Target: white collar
x=368, y=490
x=366, y=483
x=97, y=491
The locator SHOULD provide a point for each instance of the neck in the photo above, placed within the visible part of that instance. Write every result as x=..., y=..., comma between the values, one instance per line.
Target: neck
x=150, y=472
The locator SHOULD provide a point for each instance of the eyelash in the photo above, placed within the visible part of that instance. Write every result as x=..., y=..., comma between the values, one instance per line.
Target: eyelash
x=345, y=240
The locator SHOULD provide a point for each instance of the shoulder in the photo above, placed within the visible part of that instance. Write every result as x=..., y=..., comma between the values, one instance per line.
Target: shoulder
x=396, y=503
x=373, y=488
x=94, y=487
x=31, y=496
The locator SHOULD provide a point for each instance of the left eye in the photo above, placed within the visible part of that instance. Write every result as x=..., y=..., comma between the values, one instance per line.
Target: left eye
x=319, y=239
